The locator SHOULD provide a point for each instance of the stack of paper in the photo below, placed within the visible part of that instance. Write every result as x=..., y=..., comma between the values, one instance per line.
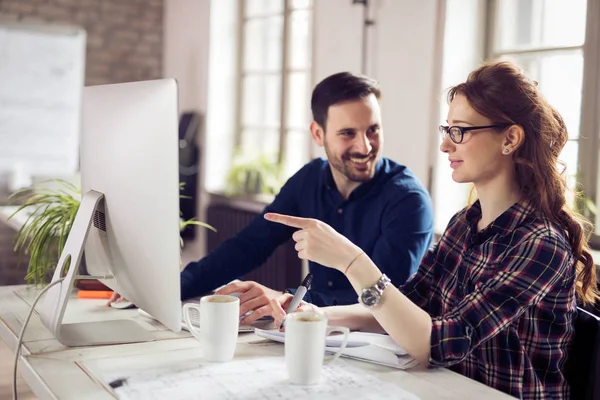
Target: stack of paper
x=371, y=347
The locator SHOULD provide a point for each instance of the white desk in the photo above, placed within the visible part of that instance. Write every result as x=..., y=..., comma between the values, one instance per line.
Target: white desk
x=55, y=372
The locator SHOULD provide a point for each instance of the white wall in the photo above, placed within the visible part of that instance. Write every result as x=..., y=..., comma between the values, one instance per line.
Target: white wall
x=222, y=91
x=186, y=27
x=337, y=33
x=185, y=52
x=404, y=55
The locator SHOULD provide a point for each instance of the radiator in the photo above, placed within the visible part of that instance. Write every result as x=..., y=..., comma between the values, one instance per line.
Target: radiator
x=13, y=267
x=282, y=270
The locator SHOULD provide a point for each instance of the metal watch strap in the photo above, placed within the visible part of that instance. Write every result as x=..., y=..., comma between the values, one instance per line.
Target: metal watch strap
x=382, y=283
x=371, y=296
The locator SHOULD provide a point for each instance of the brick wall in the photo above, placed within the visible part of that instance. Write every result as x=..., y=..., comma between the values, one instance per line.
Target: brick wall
x=124, y=37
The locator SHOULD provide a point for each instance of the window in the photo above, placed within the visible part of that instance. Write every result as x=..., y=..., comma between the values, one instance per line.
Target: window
x=556, y=42
x=463, y=51
x=557, y=45
x=546, y=37
x=274, y=82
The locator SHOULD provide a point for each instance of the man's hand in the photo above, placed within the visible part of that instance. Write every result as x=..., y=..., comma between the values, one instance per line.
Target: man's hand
x=254, y=297
x=115, y=298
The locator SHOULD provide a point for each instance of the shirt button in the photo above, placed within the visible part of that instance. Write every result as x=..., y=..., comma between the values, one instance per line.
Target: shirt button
x=329, y=283
x=340, y=211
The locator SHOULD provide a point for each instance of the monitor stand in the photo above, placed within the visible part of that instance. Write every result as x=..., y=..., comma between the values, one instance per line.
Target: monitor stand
x=57, y=297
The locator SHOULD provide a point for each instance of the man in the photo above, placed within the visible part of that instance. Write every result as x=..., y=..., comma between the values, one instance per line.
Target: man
x=376, y=203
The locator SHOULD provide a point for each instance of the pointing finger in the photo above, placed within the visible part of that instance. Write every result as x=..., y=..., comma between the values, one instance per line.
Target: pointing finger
x=295, y=222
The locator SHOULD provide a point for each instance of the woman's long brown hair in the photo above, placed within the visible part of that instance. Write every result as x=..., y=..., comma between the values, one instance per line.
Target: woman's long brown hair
x=501, y=92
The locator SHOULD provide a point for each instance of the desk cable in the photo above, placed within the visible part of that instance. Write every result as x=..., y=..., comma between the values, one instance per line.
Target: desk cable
x=20, y=341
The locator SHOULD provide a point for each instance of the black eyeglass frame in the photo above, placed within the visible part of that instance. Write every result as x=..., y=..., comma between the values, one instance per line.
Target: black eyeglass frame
x=445, y=130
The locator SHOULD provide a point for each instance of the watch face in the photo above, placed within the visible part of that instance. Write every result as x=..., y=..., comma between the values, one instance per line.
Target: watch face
x=369, y=297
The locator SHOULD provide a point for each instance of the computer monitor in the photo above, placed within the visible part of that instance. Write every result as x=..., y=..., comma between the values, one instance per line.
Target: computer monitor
x=128, y=220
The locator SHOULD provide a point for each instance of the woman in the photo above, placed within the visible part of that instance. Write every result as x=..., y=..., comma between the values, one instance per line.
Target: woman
x=495, y=298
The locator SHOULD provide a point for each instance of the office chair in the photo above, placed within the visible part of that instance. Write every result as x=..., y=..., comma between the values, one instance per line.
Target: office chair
x=583, y=366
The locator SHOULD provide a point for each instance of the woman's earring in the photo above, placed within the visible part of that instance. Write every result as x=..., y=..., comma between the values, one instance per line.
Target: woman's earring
x=506, y=151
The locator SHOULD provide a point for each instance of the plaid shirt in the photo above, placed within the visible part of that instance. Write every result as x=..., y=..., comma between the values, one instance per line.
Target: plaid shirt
x=502, y=301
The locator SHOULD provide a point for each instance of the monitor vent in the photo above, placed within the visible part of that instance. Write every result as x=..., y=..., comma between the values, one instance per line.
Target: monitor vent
x=99, y=220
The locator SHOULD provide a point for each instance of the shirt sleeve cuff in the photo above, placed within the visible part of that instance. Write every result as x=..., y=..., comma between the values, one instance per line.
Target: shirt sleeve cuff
x=450, y=341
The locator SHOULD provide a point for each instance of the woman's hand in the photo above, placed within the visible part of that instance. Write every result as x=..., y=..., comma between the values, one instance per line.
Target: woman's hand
x=316, y=241
x=280, y=305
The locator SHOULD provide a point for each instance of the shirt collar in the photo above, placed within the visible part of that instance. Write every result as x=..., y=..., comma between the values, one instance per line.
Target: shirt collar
x=361, y=189
x=505, y=223
x=329, y=182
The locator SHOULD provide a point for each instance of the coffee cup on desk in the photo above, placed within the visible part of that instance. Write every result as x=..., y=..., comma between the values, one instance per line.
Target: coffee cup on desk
x=305, y=334
x=219, y=320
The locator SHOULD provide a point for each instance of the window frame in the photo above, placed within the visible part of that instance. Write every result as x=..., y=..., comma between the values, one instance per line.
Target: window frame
x=589, y=128
x=590, y=113
x=284, y=71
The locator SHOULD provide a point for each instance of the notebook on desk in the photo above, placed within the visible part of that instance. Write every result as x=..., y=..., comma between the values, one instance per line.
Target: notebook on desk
x=371, y=347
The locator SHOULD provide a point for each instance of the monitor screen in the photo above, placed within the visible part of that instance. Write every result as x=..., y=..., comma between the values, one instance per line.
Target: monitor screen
x=128, y=221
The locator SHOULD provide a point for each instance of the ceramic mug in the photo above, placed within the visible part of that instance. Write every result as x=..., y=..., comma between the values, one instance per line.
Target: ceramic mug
x=219, y=320
x=305, y=334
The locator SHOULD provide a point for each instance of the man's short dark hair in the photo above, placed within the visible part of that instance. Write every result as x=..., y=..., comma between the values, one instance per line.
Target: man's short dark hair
x=340, y=88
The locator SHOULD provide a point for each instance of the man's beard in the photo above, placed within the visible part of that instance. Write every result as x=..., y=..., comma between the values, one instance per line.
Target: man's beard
x=345, y=166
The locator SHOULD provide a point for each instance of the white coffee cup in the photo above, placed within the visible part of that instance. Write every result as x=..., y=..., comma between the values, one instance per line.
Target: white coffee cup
x=219, y=320
x=305, y=334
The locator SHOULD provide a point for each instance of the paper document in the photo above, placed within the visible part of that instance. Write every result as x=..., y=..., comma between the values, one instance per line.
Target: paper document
x=371, y=347
x=256, y=378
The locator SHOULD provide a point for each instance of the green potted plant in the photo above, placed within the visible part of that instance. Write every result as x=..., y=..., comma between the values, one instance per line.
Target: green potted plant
x=253, y=175
x=192, y=221
x=51, y=212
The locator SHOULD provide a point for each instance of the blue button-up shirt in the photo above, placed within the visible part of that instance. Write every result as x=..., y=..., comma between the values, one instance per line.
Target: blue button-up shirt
x=390, y=218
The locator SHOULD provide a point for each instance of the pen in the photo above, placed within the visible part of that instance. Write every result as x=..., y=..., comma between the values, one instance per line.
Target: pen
x=117, y=383
x=300, y=292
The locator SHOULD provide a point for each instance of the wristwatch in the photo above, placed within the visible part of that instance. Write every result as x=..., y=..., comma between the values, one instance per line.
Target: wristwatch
x=371, y=296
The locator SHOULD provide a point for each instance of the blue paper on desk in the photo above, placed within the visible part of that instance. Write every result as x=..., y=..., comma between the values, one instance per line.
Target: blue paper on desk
x=371, y=347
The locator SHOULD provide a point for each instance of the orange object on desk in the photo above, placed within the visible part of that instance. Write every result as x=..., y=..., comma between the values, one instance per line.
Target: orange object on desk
x=94, y=294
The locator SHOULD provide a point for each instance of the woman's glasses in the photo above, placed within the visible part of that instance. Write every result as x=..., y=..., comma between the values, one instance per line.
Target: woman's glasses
x=457, y=133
